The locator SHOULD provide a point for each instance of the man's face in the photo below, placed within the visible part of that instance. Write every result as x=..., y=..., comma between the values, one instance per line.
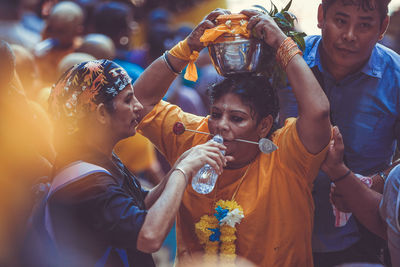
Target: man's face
x=349, y=34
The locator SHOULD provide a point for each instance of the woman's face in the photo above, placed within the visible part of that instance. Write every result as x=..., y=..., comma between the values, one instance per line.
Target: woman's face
x=232, y=119
x=125, y=117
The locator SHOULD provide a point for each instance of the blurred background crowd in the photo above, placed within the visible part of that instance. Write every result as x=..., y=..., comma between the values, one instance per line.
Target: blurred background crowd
x=46, y=38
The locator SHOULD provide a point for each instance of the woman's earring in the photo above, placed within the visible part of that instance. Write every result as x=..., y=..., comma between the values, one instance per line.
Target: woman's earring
x=266, y=146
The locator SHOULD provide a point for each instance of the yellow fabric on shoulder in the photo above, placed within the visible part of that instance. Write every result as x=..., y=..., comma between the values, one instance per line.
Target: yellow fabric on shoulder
x=275, y=194
x=168, y=143
x=136, y=152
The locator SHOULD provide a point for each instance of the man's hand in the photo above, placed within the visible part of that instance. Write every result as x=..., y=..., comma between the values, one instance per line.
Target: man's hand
x=333, y=165
x=338, y=200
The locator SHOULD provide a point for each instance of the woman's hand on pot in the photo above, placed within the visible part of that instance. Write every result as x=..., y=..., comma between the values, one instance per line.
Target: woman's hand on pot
x=208, y=22
x=264, y=28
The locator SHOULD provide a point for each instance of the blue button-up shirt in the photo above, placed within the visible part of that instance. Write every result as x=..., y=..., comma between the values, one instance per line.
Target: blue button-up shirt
x=365, y=107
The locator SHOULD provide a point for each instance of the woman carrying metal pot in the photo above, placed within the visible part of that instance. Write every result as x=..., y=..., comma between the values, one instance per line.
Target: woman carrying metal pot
x=261, y=207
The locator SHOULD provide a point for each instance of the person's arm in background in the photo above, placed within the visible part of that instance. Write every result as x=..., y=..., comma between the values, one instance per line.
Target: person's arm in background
x=313, y=125
x=350, y=191
x=152, y=85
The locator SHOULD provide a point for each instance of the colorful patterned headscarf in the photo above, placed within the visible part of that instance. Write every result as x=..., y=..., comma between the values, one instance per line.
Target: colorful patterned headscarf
x=82, y=88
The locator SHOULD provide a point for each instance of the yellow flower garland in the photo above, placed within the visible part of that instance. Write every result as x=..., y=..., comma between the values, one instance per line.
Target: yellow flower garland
x=218, y=233
x=203, y=233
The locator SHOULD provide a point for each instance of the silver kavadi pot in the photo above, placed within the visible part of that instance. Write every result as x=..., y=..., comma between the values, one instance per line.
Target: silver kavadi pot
x=235, y=54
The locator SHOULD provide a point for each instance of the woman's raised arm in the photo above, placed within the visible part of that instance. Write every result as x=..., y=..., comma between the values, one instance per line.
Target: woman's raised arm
x=152, y=85
x=313, y=125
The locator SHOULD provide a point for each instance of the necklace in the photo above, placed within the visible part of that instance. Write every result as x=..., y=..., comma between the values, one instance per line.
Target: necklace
x=241, y=179
x=217, y=232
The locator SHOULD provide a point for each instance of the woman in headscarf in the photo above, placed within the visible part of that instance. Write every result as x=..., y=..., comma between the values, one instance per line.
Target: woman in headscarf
x=99, y=213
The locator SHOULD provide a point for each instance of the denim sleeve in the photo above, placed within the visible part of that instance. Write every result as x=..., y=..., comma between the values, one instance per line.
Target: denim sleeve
x=105, y=205
x=119, y=217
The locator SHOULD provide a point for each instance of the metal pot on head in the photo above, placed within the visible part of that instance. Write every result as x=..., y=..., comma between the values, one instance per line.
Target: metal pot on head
x=233, y=53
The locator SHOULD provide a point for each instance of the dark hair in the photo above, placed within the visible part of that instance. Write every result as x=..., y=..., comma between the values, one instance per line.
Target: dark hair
x=254, y=90
x=366, y=5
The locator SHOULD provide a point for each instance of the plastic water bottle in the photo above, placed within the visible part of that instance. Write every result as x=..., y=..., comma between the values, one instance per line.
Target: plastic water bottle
x=204, y=180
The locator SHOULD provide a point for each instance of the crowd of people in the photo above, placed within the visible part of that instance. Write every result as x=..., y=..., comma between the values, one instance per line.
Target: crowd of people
x=94, y=175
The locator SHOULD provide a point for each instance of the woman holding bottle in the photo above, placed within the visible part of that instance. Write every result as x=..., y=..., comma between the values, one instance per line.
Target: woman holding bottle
x=97, y=213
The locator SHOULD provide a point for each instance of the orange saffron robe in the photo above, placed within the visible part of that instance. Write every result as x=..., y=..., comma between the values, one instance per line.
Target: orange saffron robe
x=275, y=194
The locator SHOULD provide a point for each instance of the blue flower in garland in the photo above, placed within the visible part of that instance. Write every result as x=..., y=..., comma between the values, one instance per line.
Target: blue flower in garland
x=221, y=213
x=216, y=234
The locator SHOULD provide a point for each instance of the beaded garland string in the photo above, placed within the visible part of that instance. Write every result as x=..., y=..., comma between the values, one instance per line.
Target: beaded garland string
x=217, y=232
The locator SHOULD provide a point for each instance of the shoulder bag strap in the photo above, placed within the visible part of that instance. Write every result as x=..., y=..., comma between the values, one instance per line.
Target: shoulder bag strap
x=70, y=174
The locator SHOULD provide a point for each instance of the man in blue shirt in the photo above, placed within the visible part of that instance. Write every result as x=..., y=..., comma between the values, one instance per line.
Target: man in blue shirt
x=362, y=81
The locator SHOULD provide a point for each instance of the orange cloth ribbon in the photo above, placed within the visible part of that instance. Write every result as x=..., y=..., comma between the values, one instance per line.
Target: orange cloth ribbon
x=182, y=51
x=210, y=35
